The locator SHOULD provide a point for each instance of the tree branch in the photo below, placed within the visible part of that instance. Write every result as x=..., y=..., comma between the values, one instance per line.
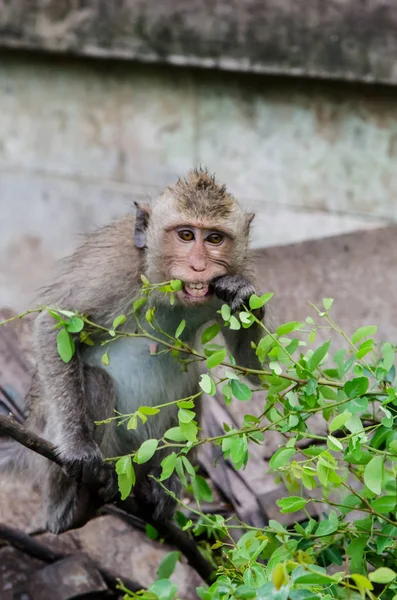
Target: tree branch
x=170, y=532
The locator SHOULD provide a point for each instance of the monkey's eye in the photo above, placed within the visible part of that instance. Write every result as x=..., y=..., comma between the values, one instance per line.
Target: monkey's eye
x=215, y=238
x=186, y=235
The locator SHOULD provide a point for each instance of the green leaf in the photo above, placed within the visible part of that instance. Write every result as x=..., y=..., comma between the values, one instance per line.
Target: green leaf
x=238, y=448
x=246, y=318
x=364, y=348
x=327, y=527
x=139, y=302
x=168, y=466
x=216, y=359
x=207, y=385
x=356, y=387
x=148, y=410
x=288, y=327
x=57, y=317
x=176, y=285
x=388, y=356
x=357, y=405
x=328, y=302
x=174, y=434
x=119, y=321
x=334, y=444
x=167, y=565
x=105, y=359
x=202, y=490
x=240, y=390
x=189, y=430
x=180, y=329
x=387, y=538
x=74, y=325
x=363, y=332
x=66, y=313
x=302, y=595
x=163, y=589
x=339, y=421
x=146, y=451
x=281, y=457
x=264, y=346
x=384, y=504
x=185, y=416
x=259, y=301
x=65, y=345
x=188, y=466
x=133, y=422
x=291, y=504
x=151, y=532
x=234, y=323
x=226, y=312
x=315, y=579
x=362, y=583
x=382, y=575
x=185, y=404
x=318, y=356
x=227, y=393
x=126, y=476
x=149, y=316
x=373, y=474
x=210, y=333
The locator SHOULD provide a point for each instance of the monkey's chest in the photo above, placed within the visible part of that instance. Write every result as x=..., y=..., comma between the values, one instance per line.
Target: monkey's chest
x=143, y=379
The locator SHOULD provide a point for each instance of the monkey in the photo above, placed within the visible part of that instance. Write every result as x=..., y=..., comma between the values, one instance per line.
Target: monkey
x=196, y=232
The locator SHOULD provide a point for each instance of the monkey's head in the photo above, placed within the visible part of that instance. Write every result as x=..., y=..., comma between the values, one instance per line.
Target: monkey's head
x=196, y=232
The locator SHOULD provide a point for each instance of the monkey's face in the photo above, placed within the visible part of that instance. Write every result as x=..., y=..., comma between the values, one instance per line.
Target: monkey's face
x=196, y=256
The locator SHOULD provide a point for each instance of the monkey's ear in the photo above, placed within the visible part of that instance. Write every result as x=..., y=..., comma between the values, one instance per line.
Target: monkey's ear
x=249, y=217
x=141, y=223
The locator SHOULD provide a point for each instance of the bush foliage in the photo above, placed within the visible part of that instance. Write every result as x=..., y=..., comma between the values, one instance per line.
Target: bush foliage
x=350, y=552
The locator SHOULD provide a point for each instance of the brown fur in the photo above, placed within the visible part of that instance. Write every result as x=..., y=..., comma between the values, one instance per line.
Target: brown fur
x=200, y=195
x=101, y=280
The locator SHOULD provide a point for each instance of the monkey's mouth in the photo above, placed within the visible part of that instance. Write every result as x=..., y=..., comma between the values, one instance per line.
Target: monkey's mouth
x=196, y=291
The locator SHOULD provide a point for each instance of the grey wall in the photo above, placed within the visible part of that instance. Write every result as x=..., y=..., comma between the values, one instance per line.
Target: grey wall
x=342, y=39
x=80, y=140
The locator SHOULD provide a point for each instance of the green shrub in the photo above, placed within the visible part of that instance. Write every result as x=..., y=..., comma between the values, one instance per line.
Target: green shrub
x=351, y=469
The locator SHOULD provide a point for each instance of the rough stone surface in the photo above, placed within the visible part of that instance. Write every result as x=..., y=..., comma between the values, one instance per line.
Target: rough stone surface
x=112, y=543
x=358, y=270
x=347, y=39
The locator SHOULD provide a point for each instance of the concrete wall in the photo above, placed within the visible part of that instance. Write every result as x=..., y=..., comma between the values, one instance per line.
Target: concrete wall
x=352, y=40
x=80, y=140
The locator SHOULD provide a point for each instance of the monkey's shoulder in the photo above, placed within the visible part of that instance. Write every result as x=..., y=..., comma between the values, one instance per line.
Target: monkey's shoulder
x=107, y=265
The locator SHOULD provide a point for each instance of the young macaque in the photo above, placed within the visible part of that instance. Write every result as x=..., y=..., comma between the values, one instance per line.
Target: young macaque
x=195, y=232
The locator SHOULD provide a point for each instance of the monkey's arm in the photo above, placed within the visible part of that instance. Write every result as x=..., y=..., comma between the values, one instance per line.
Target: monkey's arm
x=98, y=280
x=235, y=290
x=62, y=397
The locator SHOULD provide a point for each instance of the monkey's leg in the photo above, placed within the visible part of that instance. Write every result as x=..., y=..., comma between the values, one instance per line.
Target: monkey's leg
x=72, y=501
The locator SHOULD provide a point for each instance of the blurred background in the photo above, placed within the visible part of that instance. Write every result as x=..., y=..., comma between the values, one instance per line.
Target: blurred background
x=292, y=103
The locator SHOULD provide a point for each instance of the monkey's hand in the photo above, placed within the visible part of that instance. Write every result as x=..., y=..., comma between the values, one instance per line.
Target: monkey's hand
x=235, y=290
x=88, y=468
x=154, y=499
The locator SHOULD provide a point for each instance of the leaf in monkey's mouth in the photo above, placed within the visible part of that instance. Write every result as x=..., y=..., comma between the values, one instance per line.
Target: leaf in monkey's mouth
x=196, y=290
